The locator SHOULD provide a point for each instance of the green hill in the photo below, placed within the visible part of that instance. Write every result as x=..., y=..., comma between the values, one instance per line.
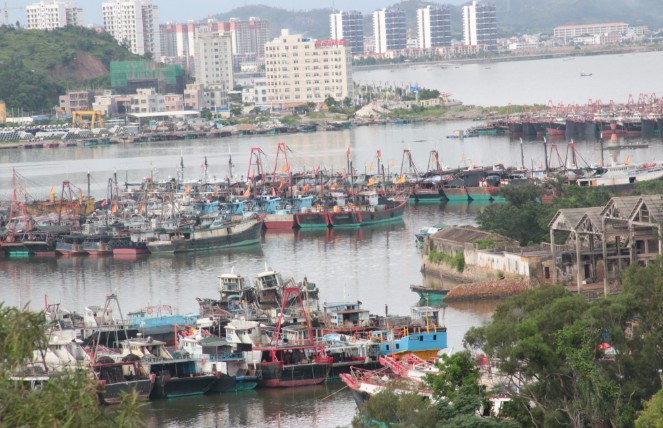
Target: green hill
x=38, y=66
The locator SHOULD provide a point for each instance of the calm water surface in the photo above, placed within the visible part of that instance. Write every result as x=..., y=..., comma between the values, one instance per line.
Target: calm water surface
x=614, y=77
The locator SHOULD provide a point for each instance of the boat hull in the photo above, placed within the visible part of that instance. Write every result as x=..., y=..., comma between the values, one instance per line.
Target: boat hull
x=112, y=393
x=456, y=194
x=227, y=383
x=275, y=375
x=280, y=221
x=312, y=220
x=173, y=387
x=242, y=234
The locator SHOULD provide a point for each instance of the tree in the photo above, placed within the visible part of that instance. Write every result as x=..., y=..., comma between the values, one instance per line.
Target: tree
x=457, y=400
x=330, y=101
x=551, y=344
x=66, y=399
x=652, y=415
x=236, y=110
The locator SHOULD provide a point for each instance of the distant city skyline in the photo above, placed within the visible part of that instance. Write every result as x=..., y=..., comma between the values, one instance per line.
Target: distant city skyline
x=199, y=9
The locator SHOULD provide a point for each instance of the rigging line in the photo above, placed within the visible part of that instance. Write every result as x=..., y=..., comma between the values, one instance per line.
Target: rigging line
x=334, y=393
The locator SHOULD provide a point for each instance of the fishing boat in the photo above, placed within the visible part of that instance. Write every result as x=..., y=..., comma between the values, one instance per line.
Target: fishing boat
x=349, y=351
x=315, y=217
x=128, y=247
x=366, y=383
x=216, y=356
x=370, y=208
x=176, y=375
x=289, y=356
x=432, y=296
x=70, y=245
x=116, y=378
x=280, y=213
x=221, y=233
x=623, y=175
x=116, y=374
x=424, y=337
x=98, y=245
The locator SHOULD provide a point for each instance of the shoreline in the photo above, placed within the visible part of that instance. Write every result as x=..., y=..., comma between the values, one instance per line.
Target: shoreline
x=513, y=58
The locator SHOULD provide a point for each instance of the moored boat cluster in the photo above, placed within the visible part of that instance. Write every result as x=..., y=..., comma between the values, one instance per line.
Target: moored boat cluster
x=269, y=333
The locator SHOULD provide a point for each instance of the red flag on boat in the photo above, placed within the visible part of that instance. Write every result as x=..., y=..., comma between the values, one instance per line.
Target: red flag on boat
x=379, y=153
x=348, y=151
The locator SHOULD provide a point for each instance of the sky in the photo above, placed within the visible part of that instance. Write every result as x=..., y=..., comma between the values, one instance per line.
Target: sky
x=172, y=10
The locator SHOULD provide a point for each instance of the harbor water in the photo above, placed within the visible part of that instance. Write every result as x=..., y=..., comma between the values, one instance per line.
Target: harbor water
x=375, y=265
x=542, y=81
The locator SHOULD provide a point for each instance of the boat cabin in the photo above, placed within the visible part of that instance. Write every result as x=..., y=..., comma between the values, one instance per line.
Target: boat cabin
x=96, y=316
x=146, y=347
x=339, y=199
x=231, y=283
x=369, y=198
x=303, y=202
x=346, y=314
x=426, y=316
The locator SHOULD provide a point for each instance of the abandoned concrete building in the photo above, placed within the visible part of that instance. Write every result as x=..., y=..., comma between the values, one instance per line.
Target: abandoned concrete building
x=592, y=246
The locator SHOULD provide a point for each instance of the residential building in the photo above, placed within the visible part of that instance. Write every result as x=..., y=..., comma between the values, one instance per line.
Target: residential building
x=173, y=102
x=194, y=96
x=76, y=100
x=248, y=38
x=348, y=26
x=299, y=70
x=256, y=92
x=49, y=15
x=389, y=30
x=134, y=23
x=568, y=32
x=177, y=44
x=106, y=103
x=213, y=59
x=216, y=97
x=147, y=100
x=433, y=27
x=480, y=25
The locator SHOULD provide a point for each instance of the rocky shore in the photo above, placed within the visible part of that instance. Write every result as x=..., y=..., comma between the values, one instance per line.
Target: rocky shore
x=496, y=289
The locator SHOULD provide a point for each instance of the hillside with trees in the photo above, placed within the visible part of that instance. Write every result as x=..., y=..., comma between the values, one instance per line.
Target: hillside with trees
x=38, y=66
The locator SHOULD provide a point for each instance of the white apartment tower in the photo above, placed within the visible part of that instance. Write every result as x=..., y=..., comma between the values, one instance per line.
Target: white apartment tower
x=389, y=30
x=134, y=23
x=299, y=70
x=348, y=26
x=480, y=25
x=433, y=27
x=213, y=60
x=49, y=15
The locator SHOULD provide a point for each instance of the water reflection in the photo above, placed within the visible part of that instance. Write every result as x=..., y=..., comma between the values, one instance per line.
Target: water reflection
x=324, y=406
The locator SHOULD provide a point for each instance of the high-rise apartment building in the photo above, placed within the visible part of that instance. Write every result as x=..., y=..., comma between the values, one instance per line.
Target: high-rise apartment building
x=348, y=26
x=177, y=39
x=134, y=23
x=433, y=27
x=480, y=25
x=213, y=60
x=300, y=70
x=49, y=15
x=248, y=37
x=389, y=30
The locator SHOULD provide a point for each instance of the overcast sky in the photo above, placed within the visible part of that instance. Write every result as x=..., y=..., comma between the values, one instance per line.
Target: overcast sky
x=182, y=11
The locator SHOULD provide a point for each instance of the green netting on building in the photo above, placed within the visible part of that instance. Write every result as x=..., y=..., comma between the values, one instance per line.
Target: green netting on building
x=122, y=72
